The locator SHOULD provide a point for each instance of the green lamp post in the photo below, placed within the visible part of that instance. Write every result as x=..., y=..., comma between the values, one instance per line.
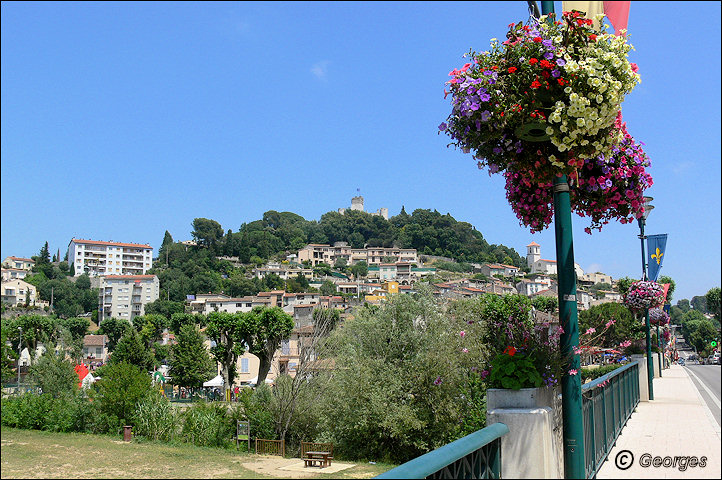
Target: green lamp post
x=650, y=365
x=572, y=416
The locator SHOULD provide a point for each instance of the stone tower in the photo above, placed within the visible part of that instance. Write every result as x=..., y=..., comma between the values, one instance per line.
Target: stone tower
x=357, y=203
x=533, y=253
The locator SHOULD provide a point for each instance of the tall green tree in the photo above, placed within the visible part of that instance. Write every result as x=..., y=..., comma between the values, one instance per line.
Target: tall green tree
x=131, y=349
x=206, y=232
x=263, y=330
x=190, y=361
x=226, y=331
x=114, y=328
x=713, y=302
x=54, y=374
x=672, y=287
x=123, y=386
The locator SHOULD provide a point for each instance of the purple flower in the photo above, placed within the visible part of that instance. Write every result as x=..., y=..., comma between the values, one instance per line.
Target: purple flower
x=437, y=381
x=561, y=62
x=485, y=97
x=497, y=150
x=443, y=126
x=488, y=72
x=547, y=43
x=549, y=55
x=555, y=73
x=485, y=115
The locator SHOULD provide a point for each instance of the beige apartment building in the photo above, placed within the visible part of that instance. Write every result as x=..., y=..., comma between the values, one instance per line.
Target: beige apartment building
x=18, y=292
x=18, y=263
x=98, y=258
x=125, y=296
x=317, y=253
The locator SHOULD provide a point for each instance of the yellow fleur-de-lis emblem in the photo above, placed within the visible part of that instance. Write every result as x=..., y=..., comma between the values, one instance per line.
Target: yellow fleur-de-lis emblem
x=658, y=256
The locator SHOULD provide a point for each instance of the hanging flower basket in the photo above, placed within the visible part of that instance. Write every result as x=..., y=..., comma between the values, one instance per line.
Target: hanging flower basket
x=658, y=316
x=642, y=295
x=543, y=104
x=608, y=187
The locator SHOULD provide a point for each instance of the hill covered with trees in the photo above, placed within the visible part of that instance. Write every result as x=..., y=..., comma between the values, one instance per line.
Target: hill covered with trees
x=187, y=270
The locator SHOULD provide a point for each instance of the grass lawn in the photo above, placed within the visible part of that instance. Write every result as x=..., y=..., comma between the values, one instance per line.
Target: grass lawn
x=36, y=454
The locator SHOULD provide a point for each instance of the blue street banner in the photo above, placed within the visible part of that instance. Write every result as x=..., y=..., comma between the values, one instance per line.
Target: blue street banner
x=655, y=251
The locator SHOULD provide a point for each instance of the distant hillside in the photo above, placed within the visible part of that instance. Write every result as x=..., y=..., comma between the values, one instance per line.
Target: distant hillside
x=195, y=269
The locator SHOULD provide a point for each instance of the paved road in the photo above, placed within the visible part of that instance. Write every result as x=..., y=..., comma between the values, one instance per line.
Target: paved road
x=707, y=380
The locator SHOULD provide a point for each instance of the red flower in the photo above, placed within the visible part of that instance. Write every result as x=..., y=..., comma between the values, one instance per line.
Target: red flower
x=560, y=81
x=546, y=64
x=538, y=39
x=592, y=37
x=533, y=61
x=535, y=84
x=510, y=351
x=545, y=74
x=512, y=69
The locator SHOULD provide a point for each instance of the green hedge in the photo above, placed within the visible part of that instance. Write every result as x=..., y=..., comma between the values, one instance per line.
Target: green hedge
x=596, y=372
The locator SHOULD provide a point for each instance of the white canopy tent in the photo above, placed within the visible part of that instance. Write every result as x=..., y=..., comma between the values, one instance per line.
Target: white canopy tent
x=215, y=382
x=254, y=380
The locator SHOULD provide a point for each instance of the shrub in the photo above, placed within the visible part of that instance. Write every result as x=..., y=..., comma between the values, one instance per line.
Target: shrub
x=155, y=418
x=254, y=406
x=208, y=425
x=592, y=373
x=54, y=374
x=121, y=388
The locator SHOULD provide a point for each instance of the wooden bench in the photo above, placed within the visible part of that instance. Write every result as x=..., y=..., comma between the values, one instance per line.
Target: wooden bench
x=321, y=457
x=315, y=452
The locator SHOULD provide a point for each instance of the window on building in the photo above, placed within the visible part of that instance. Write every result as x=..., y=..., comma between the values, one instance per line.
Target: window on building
x=244, y=366
x=98, y=350
x=285, y=347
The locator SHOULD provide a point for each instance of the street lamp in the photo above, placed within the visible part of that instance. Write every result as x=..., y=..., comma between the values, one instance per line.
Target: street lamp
x=650, y=365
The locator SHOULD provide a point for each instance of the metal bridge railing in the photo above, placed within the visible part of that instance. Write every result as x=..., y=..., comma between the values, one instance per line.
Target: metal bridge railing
x=477, y=455
x=606, y=409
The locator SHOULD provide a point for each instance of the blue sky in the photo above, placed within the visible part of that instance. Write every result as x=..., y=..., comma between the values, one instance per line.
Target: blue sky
x=123, y=120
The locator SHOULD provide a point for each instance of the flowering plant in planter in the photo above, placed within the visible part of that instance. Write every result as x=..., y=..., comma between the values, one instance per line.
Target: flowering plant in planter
x=560, y=83
x=643, y=295
x=658, y=316
x=610, y=186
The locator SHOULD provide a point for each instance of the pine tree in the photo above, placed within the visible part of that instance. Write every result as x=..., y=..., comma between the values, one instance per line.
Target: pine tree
x=44, y=256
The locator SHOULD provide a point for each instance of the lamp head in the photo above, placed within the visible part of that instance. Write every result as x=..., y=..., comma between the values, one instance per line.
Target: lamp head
x=648, y=207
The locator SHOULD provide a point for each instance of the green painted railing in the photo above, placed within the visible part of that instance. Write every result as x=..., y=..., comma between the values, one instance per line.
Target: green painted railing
x=606, y=409
x=477, y=455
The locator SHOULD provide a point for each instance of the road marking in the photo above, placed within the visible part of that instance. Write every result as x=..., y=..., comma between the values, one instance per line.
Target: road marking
x=712, y=395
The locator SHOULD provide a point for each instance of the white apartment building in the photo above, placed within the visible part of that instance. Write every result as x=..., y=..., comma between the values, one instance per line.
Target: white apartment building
x=13, y=274
x=285, y=272
x=125, y=296
x=529, y=287
x=97, y=258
